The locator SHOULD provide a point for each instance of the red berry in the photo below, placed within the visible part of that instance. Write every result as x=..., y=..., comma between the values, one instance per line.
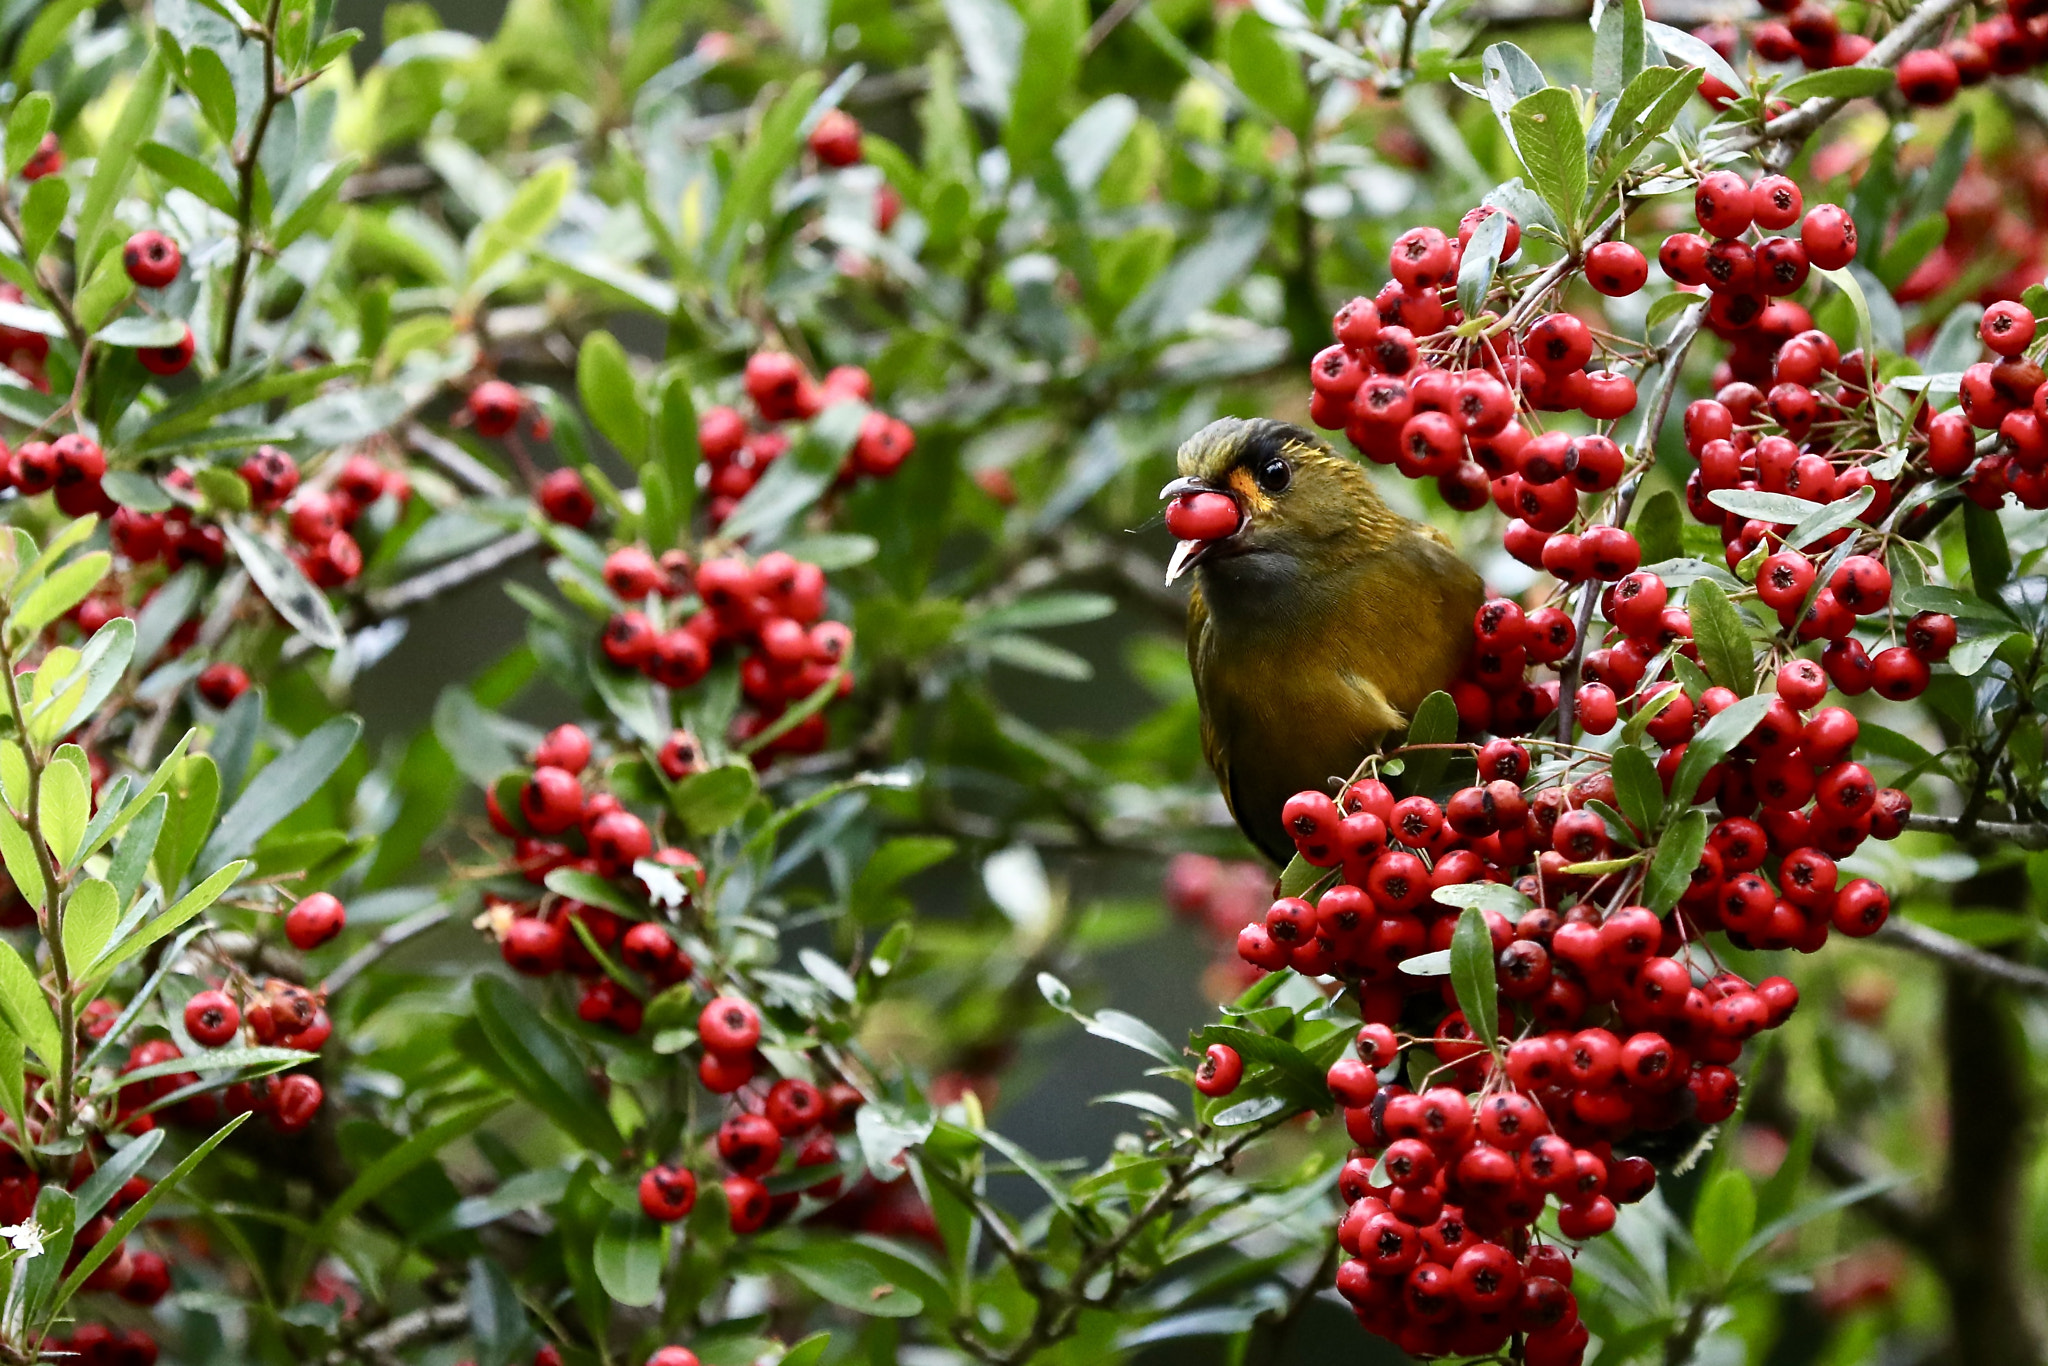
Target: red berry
x=167, y=360
x=1829, y=235
x=1616, y=269
x=2007, y=327
x=151, y=259
x=314, y=921
x=1928, y=77
x=1775, y=199
x=221, y=683
x=729, y=1027
x=1723, y=204
x=836, y=138
x=1219, y=1071
x=667, y=1193
x=212, y=1018
x=565, y=498
x=534, y=947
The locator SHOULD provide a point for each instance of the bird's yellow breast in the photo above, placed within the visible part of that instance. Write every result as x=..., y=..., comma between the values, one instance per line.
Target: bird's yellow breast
x=1297, y=695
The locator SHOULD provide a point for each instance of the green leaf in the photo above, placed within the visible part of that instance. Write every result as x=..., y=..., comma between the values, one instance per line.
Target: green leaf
x=904, y=856
x=1637, y=790
x=42, y=213
x=1723, y=1221
x=533, y=210
x=1474, y=979
x=26, y=1009
x=26, y=126
x=1299, y=876
x=1838, y=83
x=108, y=1178
x=286, y=586
x=1435, y=723
x=170, y=922
x=66, y=804
x=58, y=594
x=19, y=853
x=1678, y=853
x=710, y=801
x=1042, y=610
x=1618, y=46
x=848, y=1275
x=775, y=146
x=1265, y=69
x=117, y=1236
x=1814, y=1209
x=1481, y=258
x=89, y=919
x=679, y=453
x=497, y=1319
x=542, y=1066
x=1990, y=559
x=1831, y=517
x=809, y=1352
x=628, y=1255
x=1694, y=51
x=45, y=35
x=138, y=330
x=1722, y=639
x=116, y=159
x=190, y=174
x=286, y=783
x=206, y=76
x=1487, y=896
x=610, y=398
x=1552, y=144
x=194, y=790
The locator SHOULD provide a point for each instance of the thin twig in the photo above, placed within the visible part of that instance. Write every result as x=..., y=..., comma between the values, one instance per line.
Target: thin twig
x=435, y=1321
x=1946, y=948
x=2023, y=834
x=1107, y=22
x=245, y=199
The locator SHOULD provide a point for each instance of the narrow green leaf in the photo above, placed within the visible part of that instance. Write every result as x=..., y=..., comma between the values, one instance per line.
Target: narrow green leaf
x=610, y=398
x=1990, y=559
x=1723, y=1220
x=773, y=148
x=284, y=785
x=286, y=586
x=542, y=1065
x=1637, y=790
x=117, y=1236
x=1474, y=979
x=170, y=922
x=1723, y=641
x=531, y=213
x=1678, y=853
x=89, y=918
x=628, y=1255
x=25, y=129
x=116, y=159
x=58, y=594
x=26, y=1007
x=1713, y=743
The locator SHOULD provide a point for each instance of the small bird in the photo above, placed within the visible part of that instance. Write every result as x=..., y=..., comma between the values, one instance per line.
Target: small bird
x=1320, y=617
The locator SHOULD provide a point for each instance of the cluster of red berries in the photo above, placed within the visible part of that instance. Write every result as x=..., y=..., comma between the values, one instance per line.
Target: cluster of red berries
x=737, y=452
x=2006, y=395
x=771, y=610
x=1614, y=1024
x=277, y=1014
x=556, y=823
x=2008, y=43
x=763, y=1124
x=95, y=1344
x=1408, y=391
x=495, y=408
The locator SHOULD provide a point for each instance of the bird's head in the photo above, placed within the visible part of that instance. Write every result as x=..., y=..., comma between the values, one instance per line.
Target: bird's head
x=1270, y=492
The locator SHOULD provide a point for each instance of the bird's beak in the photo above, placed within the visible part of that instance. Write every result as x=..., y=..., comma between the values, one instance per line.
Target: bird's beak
x=1188, y=552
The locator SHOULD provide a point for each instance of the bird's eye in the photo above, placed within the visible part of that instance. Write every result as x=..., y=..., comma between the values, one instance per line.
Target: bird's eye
x=1275, y=475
